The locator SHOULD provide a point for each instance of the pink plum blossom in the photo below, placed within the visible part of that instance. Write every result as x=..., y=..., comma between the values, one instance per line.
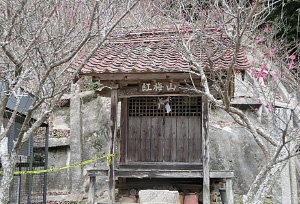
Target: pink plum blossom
x=186, y=29
x=215, y=18
x=266, y=28
x=274, y=74
x=258, y=39
x=292, y=57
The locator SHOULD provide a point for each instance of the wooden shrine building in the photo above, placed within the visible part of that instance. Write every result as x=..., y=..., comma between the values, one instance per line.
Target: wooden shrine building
x=163, y=128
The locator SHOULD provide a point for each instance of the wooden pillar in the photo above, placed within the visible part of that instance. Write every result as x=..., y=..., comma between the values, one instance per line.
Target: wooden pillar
x=113, y=123
x=229, y=191
x=91, y=198
x=205, y=151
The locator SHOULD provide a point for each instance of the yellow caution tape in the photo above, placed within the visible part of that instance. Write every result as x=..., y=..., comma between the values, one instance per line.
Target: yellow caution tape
x=107, y=156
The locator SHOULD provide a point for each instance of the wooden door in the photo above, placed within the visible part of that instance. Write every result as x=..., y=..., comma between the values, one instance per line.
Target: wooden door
x=153, y=135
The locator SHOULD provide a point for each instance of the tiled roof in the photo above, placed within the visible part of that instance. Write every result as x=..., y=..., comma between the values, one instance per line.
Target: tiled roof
x=157, y=52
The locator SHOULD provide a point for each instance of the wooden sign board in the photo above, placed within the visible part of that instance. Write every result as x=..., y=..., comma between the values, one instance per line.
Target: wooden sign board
x=158, y=87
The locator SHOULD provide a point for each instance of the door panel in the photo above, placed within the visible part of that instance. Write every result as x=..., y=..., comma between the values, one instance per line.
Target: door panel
x=158, y=137
x=145, y=139
x=170, y=145
x=195, y=141
x=155, y=138
x=134, y=139
x=182, y=139
x=170, y=139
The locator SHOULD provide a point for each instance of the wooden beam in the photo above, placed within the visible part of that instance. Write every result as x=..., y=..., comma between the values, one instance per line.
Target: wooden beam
x=147, y=185
x=113, y=118
x=141, y=76
x=155, y=173
x=205, y=151
x=161, y=166
x=127, y=92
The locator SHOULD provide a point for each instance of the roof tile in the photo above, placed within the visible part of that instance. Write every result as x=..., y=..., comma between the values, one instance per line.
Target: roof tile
x=157, y=53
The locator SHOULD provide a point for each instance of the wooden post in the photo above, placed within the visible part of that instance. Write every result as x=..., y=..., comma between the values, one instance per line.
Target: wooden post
x=229, y=192
x=113, y=121
x=123, y=128
x=91, y=198
x=205, y=151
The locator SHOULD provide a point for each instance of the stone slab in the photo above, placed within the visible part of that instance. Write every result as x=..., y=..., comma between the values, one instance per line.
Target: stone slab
x=158, y=197
x=58, y=142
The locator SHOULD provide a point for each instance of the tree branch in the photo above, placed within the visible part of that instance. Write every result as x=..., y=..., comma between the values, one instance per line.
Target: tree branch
x=11, y=119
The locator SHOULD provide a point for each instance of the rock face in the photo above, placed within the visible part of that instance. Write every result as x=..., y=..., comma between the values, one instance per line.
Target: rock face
x=158, y=197
x=233, y=148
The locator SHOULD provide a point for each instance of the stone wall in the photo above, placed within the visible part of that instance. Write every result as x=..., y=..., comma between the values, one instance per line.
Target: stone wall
x=96, y=133
x=95, y=113
x=59, y=181
x=59, y=151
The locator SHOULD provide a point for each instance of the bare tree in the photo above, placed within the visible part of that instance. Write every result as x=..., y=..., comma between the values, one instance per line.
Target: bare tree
x=213, y=35
x=39, y=40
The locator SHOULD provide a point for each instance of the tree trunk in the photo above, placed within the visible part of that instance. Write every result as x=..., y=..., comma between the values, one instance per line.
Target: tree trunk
x=8, y=163
x=261, y=187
